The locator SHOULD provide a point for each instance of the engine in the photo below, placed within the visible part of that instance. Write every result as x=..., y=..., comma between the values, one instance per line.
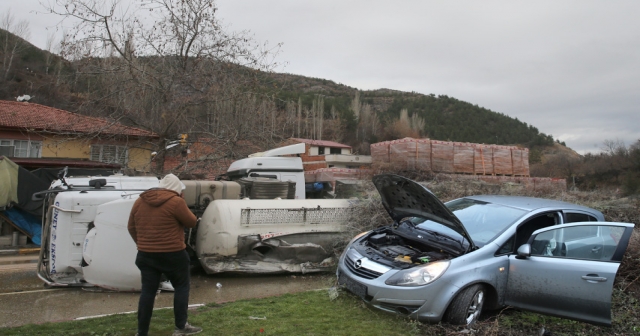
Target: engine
x=396, y=248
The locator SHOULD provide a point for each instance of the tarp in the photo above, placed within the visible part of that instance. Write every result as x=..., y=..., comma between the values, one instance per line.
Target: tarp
x=27, y=222
x=30, y=182
x=8, y=182
x=28, y=185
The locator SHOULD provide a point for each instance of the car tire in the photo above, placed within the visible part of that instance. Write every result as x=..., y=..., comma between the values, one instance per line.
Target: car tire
x=467, y=306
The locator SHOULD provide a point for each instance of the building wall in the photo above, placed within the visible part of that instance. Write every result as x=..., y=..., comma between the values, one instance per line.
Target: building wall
x=140, y=159
x=58, y=147
x=77, y=148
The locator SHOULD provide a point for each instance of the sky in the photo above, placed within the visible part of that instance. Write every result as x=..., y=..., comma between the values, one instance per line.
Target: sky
x=569, y=68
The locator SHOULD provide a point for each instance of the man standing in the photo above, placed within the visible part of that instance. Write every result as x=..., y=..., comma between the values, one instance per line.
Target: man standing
x=156, y=223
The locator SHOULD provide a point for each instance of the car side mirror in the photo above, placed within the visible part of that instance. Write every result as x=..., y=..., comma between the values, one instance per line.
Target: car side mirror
x=524, y=251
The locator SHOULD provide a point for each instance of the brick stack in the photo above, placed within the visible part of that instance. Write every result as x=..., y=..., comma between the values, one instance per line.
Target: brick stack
x=482, y=159
x=333, y=174
x=502, y=164
x=463, y=158
x=442, y=156
x=520, y=159
x=450, y=157
x=409, y=154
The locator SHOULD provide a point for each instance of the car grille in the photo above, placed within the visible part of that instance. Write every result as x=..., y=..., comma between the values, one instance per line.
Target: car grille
x=361, y=272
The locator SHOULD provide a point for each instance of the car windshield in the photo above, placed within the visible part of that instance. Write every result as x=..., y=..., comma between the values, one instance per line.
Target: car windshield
x=484, y=221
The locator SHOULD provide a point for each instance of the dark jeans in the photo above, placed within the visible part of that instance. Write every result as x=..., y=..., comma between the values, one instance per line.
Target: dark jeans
x=176, y=266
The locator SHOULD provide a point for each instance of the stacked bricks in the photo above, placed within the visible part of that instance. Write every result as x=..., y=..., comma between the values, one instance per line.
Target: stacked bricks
x=463, y=158
x=502, y=164
x=442, y=156
x=410, y=154
x=482, y=160
x=333, y=174
x=520, y=159
x=450, y=157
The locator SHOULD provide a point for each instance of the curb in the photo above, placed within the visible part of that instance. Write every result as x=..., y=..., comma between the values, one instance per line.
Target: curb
x=27, y=250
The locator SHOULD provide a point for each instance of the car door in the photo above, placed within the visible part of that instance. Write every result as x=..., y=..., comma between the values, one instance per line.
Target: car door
x=568, y=270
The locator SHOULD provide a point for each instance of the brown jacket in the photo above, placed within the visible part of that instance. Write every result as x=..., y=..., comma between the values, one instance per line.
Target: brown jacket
x=158, y=219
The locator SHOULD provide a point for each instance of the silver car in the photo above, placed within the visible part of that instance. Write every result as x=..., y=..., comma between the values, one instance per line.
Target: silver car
x=449, y=261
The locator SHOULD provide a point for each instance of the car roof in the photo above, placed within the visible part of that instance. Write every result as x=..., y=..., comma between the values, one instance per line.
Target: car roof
x=530, y=203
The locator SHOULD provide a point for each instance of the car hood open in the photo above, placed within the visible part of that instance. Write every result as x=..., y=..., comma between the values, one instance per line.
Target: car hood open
x=402, y=198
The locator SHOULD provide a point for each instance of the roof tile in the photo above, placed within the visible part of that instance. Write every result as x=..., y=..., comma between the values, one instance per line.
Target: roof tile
x=38, y=117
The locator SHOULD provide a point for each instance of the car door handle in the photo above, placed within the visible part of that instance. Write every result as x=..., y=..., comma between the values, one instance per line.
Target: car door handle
x=593, y=278
x=596, y=249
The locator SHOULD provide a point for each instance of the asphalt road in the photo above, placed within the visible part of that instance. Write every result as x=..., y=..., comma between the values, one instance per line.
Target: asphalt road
x=25, y=300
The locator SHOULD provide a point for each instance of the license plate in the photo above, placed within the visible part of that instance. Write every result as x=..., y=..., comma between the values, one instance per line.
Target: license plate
x=353, y=286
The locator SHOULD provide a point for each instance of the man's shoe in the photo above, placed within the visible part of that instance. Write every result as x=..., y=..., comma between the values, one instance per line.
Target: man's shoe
x=187, y=330
x=166, y=286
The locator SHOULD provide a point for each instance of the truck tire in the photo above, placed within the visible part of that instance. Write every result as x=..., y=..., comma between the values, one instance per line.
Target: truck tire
x=466, y=306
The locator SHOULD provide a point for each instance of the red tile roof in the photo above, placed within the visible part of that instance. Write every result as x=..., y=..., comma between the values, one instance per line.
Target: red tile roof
x=321, y=143
x=44, y=118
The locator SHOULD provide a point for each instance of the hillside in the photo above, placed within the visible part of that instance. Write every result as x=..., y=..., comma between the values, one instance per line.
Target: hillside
x=357, y=118
x=28, y=70
x=445, y=118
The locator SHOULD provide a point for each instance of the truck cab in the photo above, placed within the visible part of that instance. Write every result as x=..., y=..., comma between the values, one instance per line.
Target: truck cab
x=276, y=164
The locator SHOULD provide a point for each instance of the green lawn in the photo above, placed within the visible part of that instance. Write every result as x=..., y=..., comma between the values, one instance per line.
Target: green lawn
x=314, y=313
x=308, y=313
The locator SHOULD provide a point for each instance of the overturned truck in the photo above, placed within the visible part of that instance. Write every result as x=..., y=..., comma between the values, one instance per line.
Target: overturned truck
x=86, y=242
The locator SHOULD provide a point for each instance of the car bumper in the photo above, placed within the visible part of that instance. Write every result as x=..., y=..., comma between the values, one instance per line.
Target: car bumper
x=426, y=303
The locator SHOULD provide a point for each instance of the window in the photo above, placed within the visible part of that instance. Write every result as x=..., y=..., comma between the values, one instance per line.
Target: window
x=109, y=154
x=596, y=242
x=334, y=150
x=24, y=148
x=572, y=217
x=507, y=247
x=320, y=150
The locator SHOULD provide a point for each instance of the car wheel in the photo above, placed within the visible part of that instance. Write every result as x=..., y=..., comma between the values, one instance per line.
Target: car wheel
x=466, y=306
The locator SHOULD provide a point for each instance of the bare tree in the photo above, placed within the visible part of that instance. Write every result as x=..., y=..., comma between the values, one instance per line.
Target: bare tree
x=170, y=67
x=12, y=45
x=51, y=40
x=615, y=147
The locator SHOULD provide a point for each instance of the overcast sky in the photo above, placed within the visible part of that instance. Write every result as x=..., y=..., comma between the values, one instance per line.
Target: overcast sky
x=570, y=68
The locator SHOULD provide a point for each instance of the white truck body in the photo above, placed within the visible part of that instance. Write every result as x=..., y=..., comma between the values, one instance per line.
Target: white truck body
x=69, y=216
x=86, y=241
x=271, y=164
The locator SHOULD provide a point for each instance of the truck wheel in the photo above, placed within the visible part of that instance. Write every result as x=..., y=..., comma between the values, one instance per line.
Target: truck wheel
x=466, y=306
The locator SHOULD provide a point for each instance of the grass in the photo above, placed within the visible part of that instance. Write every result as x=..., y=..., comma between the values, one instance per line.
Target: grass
x=314, y=313
x=308, y=313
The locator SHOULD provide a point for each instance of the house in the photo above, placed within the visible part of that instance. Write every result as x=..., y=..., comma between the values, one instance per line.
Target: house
x=329, y=154
x=34, y=136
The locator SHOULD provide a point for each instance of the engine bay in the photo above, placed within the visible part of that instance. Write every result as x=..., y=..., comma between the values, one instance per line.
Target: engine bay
x=383, y=245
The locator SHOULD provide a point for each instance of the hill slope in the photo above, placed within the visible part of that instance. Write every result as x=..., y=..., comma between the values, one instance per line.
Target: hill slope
x=52, y=81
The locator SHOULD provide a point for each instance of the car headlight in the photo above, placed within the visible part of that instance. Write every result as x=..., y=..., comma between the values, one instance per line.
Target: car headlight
x=419, y=276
